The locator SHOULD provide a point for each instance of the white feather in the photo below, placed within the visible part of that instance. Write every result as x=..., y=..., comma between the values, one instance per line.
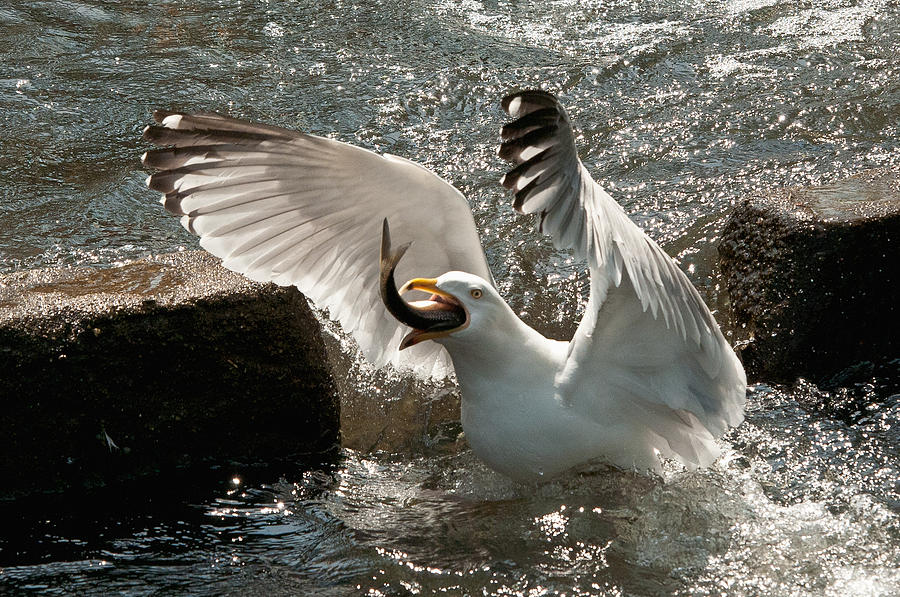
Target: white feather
x=647, y=374
x=284, y=207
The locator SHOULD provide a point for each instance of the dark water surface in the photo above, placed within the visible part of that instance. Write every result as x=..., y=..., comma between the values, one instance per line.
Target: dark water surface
x=683, y=108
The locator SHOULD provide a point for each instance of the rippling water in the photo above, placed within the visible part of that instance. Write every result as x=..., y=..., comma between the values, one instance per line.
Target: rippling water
x=682, y=109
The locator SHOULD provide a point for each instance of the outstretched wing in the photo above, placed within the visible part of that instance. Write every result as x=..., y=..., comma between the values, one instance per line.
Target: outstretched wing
x=295, y=209
x=647, y=338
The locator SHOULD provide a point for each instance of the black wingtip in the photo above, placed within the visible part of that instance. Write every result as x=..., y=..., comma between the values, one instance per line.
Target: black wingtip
x=535, y=119
x=148, y=133
x=152, y=158
x=511, y=178
x=172, y=203
x=536, y=97
x=507, y=99
x=511, y=151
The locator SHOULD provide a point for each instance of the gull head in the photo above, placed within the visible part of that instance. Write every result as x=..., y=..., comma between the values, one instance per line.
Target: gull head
x=455, y=300
x=466, y=302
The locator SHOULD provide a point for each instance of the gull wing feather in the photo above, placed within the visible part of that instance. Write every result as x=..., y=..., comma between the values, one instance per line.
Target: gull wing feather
x=281, y=206
x=647, y=338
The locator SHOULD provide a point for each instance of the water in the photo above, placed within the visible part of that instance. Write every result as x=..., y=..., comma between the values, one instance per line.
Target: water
x=683, y=109
x=803, y=505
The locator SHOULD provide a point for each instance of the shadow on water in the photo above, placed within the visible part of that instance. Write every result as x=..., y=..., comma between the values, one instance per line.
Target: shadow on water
x=156, y=532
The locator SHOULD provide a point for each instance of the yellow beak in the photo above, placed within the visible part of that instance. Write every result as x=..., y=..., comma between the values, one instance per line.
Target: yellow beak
x=426, y=285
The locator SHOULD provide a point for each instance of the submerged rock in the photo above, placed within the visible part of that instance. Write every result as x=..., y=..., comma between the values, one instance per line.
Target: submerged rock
x=159, y=363
x=813, y=277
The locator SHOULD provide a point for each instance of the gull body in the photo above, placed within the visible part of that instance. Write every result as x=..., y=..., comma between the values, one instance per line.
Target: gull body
x=513, y=420
x=513, y=414
x=647, y=374
x=509, y=413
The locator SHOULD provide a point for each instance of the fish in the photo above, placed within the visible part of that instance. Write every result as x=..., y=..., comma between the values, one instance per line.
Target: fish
x=427, y=318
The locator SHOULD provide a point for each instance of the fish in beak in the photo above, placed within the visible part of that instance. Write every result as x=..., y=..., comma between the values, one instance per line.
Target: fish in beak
x=439, y=315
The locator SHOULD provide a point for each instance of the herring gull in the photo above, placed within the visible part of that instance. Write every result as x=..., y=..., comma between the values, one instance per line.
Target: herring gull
x=648, y=374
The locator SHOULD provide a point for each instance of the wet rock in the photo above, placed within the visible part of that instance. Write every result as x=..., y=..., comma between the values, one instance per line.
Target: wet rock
x=386, y=410
x=853, y=393
x=159, y=363
x=813, y=277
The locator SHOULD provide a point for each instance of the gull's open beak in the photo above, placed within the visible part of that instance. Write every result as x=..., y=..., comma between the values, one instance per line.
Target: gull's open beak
x=443, y=306
x=425, y=285
x=439, y=315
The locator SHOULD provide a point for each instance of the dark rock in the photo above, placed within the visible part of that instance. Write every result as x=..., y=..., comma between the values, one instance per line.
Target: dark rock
x=813, y=277
x=386, y=410
x=853, y=393
x=159, y=363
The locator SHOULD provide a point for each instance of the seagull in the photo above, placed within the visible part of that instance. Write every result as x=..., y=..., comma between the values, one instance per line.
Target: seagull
x=648, y=375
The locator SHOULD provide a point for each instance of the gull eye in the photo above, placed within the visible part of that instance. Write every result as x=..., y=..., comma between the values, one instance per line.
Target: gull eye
x=476, y=293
